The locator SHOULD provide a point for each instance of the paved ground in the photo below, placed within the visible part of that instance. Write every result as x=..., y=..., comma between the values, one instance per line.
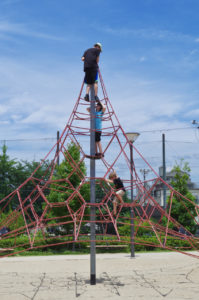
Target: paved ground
x=147, y=276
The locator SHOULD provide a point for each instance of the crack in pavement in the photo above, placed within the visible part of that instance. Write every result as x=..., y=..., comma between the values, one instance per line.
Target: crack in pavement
x=104, y=279
x=187, y=276
x=24, y=295
x=76, y=283
x=113, y=284
x=152, y=285
x=39, y=286
x=189, y=273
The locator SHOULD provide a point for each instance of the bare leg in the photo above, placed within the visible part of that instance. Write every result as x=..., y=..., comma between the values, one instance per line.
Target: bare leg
x=88, y=88
x=99, y=146
x=120, y=199
x=114, y=208
x=95, y=147
x=96, y=88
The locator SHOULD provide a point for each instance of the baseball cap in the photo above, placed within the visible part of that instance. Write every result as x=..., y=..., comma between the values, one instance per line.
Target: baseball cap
x=99, y=45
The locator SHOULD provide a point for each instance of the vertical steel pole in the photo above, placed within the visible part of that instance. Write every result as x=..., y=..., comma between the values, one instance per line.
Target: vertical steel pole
x=131, y=211
x=164, y=170
x=58, y=148
x=92, y=190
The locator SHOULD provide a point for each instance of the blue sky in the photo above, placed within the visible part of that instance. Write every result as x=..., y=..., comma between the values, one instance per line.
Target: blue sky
x=150, y=65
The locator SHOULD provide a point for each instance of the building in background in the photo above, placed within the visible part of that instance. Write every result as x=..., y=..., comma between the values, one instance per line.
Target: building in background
x=158, y=192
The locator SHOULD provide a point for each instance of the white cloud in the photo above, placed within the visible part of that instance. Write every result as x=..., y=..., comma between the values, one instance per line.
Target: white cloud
x=147, y=33
x=148, y=102
x=10, y=28
x=142, y=58
x=4, y=123
x=33, y=97
x=193, y=113
x=3, y=109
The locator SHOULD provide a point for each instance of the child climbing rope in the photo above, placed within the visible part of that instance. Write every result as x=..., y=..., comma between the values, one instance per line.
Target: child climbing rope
x=99, y=111
x=91, y=60
x=113, y=178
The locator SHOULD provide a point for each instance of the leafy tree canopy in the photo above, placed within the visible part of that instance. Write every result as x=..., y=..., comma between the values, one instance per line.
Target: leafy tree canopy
x=183, y=210
x=71, y=171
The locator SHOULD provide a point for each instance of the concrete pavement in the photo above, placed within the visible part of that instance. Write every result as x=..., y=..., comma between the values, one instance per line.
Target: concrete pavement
x=147, y=276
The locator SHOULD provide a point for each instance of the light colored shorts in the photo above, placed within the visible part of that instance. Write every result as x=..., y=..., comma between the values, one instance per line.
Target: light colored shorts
x=121, y=193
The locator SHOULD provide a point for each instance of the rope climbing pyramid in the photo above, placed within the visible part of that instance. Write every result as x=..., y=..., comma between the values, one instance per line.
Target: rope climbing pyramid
x=56, y=212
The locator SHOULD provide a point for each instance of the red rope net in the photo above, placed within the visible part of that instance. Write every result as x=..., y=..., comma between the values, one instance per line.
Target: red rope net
x=37, y=221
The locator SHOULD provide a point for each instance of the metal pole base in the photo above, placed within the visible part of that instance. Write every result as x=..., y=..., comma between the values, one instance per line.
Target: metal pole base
x=93, y=279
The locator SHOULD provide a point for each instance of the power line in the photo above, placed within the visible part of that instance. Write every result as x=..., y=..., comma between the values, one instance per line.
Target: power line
x=169, y=129
x=85, y=140
x=28, y=140
x=185, y=142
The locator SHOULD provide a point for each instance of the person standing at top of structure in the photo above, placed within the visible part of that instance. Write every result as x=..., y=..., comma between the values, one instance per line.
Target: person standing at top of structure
x=91, y=60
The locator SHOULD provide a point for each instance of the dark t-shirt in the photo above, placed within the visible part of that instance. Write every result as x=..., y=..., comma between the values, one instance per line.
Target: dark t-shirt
x=118, y=184
x=90, y=61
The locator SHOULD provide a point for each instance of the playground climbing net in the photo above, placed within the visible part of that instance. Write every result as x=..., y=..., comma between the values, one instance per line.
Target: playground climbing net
x=56, y=210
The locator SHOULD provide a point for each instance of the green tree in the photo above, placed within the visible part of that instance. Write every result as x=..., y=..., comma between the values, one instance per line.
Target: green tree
x=42, y=172
x=12, y=220
x=8, y=173
x=183, y=210
x=14, y=173
x=67, y=177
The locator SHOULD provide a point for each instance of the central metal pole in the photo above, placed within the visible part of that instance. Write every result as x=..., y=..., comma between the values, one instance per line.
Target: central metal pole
x=92, y=190
x=58, y=148
x=131, y=211
x=164, y=170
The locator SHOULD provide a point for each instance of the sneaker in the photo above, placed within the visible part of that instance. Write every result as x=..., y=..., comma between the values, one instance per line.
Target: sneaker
x=98, y=155
x=96, y=98
x=86, y=98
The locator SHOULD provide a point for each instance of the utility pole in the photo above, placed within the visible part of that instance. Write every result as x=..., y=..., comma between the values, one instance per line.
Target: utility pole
x=144, y=172
x=92, y=190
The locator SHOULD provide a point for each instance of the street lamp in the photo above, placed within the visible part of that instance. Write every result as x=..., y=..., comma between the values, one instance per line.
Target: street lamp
x=132, y=136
